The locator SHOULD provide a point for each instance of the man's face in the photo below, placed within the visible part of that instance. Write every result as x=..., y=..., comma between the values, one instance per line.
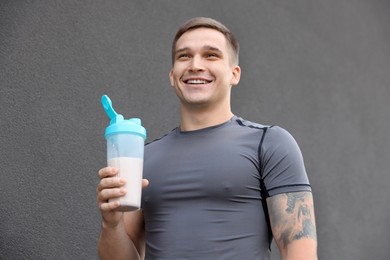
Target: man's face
x=203, y=71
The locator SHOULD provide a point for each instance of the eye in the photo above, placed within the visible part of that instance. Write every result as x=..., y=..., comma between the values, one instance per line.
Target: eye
x=182, y=56
x=212, y=55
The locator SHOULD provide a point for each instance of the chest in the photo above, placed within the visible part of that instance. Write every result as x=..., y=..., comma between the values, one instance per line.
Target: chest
x=203, y=169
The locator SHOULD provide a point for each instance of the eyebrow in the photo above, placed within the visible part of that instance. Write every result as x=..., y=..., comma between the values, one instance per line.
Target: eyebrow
x=206, y=47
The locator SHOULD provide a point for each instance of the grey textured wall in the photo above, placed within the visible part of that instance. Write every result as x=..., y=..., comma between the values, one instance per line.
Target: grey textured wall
x=321, y=69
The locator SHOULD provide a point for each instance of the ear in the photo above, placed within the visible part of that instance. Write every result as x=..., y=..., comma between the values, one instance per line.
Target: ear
x=171, y=77
x=236, y=75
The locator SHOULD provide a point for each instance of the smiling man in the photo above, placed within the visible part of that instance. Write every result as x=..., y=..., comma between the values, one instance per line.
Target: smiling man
x=204, y=70
x=218, y=186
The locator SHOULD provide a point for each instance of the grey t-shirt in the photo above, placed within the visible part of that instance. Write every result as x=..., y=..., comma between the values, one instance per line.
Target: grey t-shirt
x=204, y=199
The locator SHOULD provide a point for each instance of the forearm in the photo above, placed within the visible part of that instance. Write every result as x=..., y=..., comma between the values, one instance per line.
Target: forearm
x=115, y=244
x=304, y=249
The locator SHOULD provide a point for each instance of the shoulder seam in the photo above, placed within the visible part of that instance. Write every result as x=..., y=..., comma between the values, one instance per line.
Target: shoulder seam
x=260, y=157
x=241, y=123
x=157, y=139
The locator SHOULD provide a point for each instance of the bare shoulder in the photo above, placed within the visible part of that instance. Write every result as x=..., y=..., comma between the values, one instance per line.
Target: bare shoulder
x=292, y=217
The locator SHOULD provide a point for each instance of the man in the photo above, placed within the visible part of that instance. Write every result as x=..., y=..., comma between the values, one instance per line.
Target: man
x=220, y=186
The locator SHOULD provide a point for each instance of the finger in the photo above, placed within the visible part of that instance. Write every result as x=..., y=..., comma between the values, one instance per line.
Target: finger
x=107, y=172
x=110, y=182
x=145, y=183
x=107, y=194
x=108, y=206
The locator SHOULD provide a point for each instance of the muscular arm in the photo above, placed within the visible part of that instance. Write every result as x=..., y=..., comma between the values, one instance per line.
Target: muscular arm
x=293, y=225
x=122, y=234
x=125, y=241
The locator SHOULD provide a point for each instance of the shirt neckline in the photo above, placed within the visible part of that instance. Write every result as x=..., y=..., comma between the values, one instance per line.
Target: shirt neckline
x=206, y=129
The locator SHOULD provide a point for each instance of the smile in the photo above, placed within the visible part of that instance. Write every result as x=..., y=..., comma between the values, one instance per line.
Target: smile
x=196, y=81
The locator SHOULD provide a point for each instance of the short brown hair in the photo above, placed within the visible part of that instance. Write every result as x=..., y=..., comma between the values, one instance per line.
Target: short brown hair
x=204, y=22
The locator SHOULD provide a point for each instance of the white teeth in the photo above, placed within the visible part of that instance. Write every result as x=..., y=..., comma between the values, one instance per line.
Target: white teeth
x=196, y=81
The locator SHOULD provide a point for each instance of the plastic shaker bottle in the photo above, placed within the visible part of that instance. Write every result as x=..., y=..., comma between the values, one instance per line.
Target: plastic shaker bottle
x=125, y=151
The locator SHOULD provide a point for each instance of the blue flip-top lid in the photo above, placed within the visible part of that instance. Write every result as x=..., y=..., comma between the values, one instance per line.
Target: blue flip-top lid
x=120, y=125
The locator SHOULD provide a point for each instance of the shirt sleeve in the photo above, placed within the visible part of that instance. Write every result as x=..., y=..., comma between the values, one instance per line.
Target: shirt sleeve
x=282, y=164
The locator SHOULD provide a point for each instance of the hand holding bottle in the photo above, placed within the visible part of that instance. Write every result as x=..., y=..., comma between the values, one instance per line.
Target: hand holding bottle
x=109, y=190
x=125, y=152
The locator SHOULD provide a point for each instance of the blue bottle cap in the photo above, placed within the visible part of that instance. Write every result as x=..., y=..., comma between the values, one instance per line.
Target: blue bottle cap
x=120, y=125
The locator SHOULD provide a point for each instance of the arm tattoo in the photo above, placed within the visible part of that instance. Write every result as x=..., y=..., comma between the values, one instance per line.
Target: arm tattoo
x=292, y=217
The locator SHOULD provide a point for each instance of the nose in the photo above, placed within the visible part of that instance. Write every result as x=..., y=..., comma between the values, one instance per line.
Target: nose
x=196, y=64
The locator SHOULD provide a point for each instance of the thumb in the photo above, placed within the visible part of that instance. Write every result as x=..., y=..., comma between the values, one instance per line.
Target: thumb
x=145, y=183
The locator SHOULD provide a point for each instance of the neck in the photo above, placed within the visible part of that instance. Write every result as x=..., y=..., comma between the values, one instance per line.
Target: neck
x=198, y=118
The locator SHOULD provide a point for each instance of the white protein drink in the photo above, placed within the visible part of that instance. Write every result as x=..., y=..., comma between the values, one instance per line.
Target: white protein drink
x=131, y=169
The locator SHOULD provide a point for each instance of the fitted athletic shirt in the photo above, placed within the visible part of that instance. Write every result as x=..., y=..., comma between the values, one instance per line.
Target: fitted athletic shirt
x=207, y=188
